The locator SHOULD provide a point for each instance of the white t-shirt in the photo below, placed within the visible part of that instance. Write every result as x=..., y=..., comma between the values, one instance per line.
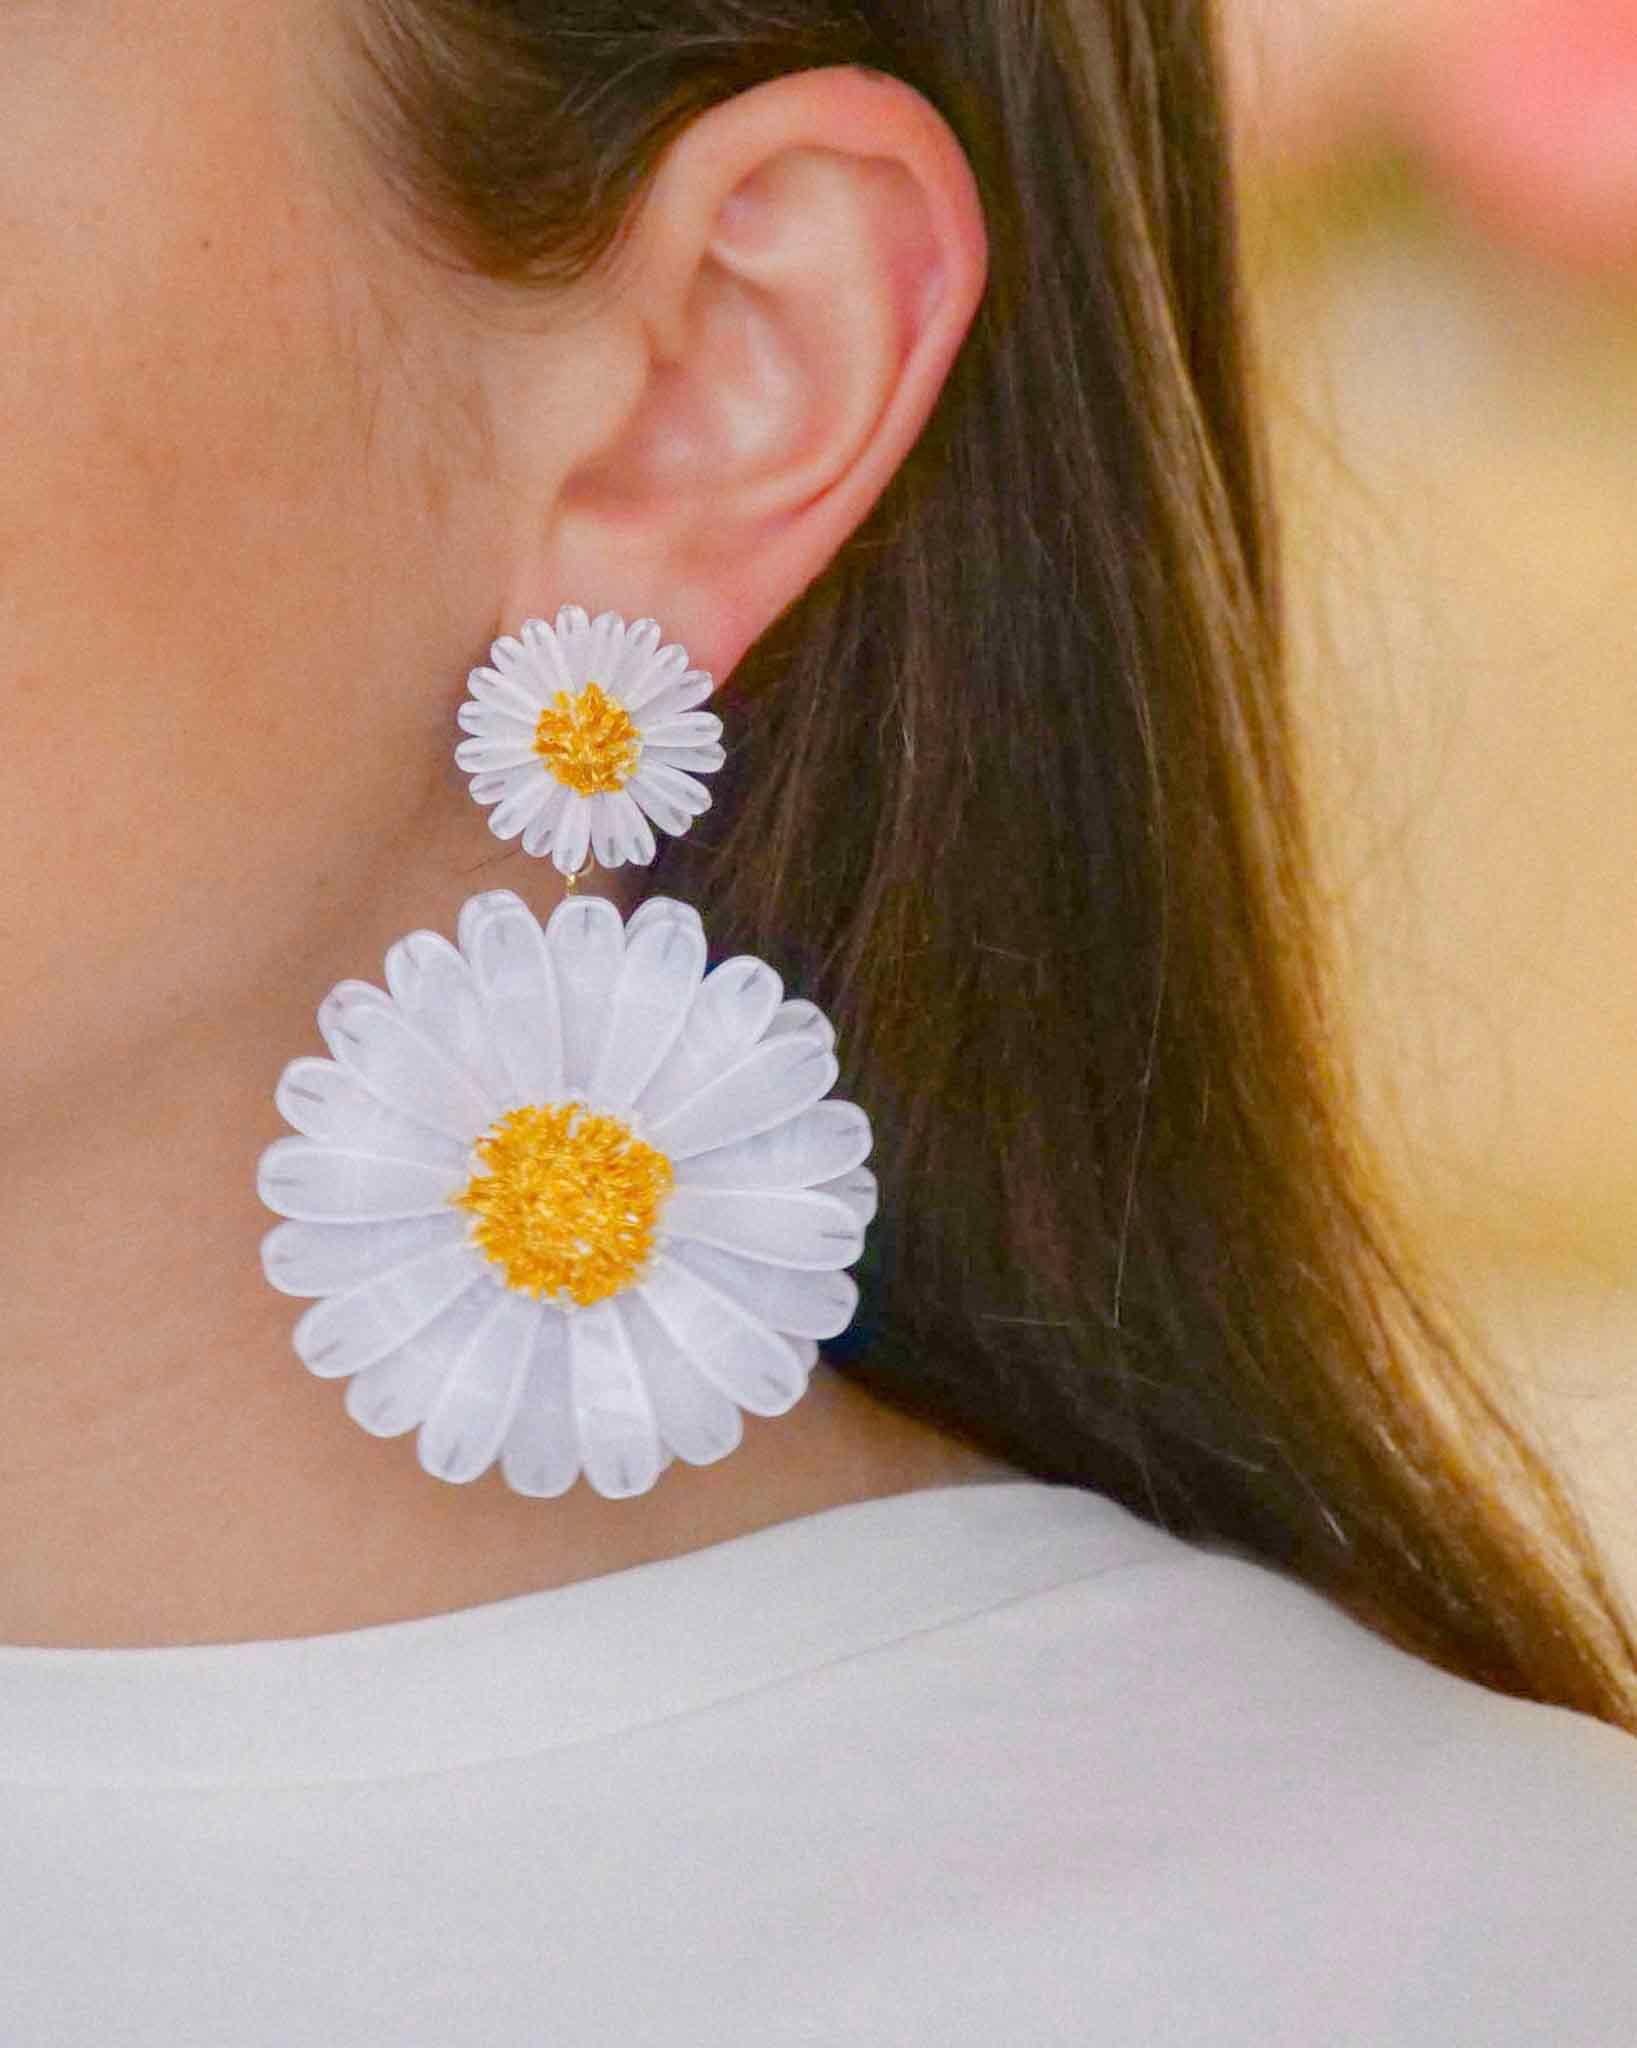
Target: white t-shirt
x=992, y=1764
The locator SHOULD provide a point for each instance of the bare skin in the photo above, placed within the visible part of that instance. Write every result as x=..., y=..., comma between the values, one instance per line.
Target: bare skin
x=273, y=482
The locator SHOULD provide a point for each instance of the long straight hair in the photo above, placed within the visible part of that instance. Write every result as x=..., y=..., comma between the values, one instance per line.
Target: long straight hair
x=1011, y=794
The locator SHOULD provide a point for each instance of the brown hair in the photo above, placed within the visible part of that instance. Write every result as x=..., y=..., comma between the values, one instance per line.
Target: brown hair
x=1011, y=794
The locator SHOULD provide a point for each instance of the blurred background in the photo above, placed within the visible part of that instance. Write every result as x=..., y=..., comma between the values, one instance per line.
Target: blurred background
x=1442, y=223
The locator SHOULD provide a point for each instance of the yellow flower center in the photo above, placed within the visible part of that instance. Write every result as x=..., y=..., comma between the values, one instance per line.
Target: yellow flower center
x=566, y=1207
x=588, y=741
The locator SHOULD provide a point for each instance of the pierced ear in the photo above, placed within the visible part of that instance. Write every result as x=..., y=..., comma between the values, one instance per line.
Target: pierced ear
x=807, y=265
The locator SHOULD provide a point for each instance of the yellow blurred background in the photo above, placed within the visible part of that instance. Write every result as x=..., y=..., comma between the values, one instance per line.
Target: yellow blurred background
x=1453, y=372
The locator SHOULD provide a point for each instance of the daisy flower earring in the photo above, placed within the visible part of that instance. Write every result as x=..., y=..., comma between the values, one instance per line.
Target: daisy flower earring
x=559, y=1196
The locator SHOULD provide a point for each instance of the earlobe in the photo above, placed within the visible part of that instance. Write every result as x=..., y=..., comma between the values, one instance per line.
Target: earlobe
x=805, y=271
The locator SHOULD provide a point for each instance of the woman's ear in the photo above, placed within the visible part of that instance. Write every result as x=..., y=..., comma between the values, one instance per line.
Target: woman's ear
x=769, y=345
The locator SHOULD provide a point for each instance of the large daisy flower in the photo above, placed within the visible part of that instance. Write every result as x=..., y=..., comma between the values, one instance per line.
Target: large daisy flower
x=585, y=731
x=564, y=1198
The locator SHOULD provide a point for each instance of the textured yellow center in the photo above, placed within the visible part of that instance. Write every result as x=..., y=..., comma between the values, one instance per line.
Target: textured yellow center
x=566, y=1207
x=588, y=741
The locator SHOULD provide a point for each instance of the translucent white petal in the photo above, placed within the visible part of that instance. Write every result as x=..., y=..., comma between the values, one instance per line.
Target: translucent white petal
x=540, y=833
x=550, y=669
x=672, y=785
x=511, y=965
x=800, y=1015
x=608, y=828
x=642, y=636
x=587, y=944
x=668, y=666
x=689, y=729
x=509, y=685
x=858, y=1189
x=661, y=969
x=817, y=1145
x=371, y=1037
x=314, y=1182
x=688, y=690
x=491, y=721
x=696, y=1419
x=602, y=646
x=331, y=1258
x=392, y=1396
x=753, y=1365
x=800, y=1304
x=504, y=782
x=614, y=1418
x=654, y=803
x=638, y=832
x=541, y=1454
x=787, y=1226
x=806, y=1350
x=689, y=760
x=480, y=756
x=346, y=1332
x=467, y=1422
x=573, y=632
x=729, y=1013
x=521, y=804
x=772, y=1082
x=572, y=840
x=326, y=1101
x=432, y=984
x=652, y=907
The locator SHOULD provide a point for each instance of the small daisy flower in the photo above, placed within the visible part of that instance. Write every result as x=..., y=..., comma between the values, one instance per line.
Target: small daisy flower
x=585, y=731
x=565, y=1200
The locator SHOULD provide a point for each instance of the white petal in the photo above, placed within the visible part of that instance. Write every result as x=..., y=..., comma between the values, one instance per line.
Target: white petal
x=550, y=669
x=603, y=647
x=668, y=666
x=800, y=1304
x=541, y=1455
x=486, y=756
x=858, y=1189
x=652, y=907
x=326, y=1101
x=540, y=833
x=572, y=839
x=822, y=1142
x=660, y=971
x=729, y=1013
x=696, y=1419
x=504, y=782
x=346, y=1332
x=639, y=837
x=573, y=633
x=654, y=803
x=682, y=695
x=317, y=1183
x=613, y=1416
x=520, y=805
x=608, y=828
x=686, y=760
x=772, y=1082
x=587, y=944
x=370, y=1036
x=467, y=1422
x=642, y=636
x=800, y=1015
x=432, y=984
x=509, y=685
x=332, y=1258
x=394, y=1394
x=491, y=721
x=787, y=1227
x=753, y=1365
x=690, y=729
x=511, y=965
x=670, y=784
